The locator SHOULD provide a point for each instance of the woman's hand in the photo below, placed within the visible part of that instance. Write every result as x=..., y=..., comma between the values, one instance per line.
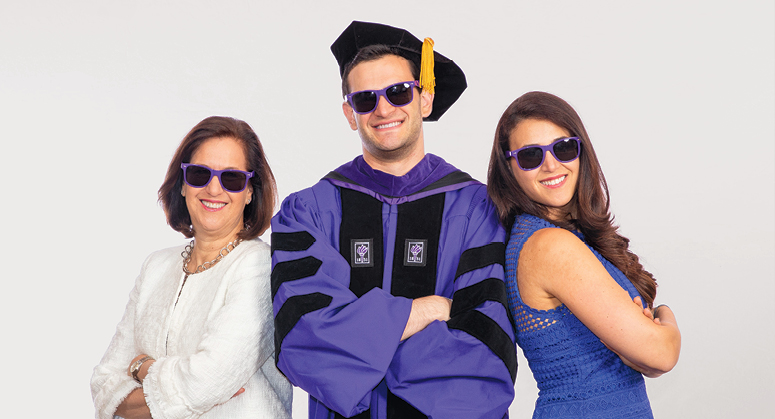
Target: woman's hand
x=143, y=371
x=646, y=311
x=649, y=313
x=133, y=406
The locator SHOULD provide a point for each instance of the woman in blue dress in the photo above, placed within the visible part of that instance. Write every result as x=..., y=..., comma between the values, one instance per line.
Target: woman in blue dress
x=571, y=278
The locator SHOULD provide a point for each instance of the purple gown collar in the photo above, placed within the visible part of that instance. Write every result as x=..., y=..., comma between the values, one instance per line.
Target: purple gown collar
x=430, y=169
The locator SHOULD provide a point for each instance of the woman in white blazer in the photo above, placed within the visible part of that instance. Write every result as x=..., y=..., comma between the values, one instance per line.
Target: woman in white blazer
x=197, y=336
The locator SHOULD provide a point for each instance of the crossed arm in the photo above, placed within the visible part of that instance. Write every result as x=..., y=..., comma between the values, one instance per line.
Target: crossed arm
x=555, y=267
x=339, y=347
x=660, y=315
x=237, y=335
x=134, y=406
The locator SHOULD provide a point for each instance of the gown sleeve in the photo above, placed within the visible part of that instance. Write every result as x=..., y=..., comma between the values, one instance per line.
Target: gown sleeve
x=334, y=345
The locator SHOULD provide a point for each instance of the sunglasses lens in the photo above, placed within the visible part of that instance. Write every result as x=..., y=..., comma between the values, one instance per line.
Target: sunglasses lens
x=567, y=150
x=197, y=176
x=364, y=102
x=233, y=181
x=399, y=94
x=530, y=158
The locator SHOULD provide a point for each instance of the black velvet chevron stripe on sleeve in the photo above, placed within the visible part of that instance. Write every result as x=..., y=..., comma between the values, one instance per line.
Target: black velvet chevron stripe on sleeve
x=290, y=313
x=479, y=257
x=489, y=332
x=292, y=242
x=292, y=270
x=470, y=297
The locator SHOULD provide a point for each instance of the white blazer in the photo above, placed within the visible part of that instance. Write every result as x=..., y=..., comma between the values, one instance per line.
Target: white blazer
x=217, y=338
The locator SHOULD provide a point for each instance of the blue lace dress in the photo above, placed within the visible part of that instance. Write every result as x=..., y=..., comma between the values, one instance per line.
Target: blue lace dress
x=577, y=376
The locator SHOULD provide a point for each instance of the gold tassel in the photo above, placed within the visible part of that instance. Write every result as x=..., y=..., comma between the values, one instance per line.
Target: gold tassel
x=427, y=79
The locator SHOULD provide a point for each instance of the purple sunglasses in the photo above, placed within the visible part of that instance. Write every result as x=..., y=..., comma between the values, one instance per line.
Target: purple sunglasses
x=399, y=94
x=198, y=176
x=531, y=157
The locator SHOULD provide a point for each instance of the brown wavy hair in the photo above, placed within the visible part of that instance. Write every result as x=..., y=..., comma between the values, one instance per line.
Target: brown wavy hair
x=590, y=204
x=258, y=213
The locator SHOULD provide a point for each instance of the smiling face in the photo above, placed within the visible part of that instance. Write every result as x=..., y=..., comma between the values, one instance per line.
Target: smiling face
x=553, y=183
x=388, y=134
x=215, y=213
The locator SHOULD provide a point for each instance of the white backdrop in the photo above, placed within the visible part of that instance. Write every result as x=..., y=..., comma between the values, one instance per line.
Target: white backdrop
x=678, y=97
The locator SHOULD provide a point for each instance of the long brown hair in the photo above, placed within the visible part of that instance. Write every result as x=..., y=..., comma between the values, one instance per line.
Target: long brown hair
x=590, y=203
x=258, y=213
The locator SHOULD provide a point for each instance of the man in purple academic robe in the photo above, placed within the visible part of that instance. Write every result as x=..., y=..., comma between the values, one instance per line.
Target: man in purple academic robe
x=387, y=275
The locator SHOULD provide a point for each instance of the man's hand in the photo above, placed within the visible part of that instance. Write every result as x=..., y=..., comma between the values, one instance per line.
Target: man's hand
x=426, y=310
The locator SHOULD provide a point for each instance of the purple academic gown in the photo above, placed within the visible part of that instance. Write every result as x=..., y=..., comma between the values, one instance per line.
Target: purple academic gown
x=348, y=256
